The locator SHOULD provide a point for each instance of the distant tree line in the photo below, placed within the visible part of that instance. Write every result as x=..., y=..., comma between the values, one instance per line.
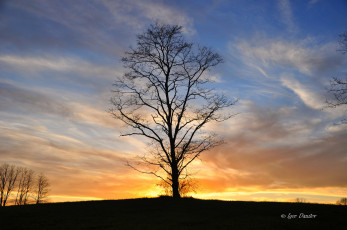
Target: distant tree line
x=342, y=201
x=28, y=186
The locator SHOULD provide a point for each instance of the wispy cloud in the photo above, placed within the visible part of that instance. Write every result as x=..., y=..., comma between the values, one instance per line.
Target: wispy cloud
x=20, y=100
x=287, y=15
x=37, y=64
x=314, y=163
x=312, y=2
x=296, y=56
x=309, y=96
x=67, y=149
x=102, y=27
x=149, y=11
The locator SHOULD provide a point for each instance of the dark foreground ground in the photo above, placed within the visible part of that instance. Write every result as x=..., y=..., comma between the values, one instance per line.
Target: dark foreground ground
x=165, y=213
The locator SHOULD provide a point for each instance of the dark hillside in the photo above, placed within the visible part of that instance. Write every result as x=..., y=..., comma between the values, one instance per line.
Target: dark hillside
x=165, y=213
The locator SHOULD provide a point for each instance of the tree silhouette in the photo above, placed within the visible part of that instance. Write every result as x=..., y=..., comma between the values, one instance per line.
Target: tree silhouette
x=342, y=201
x=338, y=86
x=343, y=42
x=8, y=178
x=25, y=185
x=23, y=180
x=42, y=190
x=166, y=97
x=300, y=200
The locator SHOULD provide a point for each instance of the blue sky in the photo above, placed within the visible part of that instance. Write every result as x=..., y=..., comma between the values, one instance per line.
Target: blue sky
x=58, y=60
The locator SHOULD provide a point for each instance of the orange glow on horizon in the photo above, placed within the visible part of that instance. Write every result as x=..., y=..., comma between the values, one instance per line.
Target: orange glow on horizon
x=322, y=195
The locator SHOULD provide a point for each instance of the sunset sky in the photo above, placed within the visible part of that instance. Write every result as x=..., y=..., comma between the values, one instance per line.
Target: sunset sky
x=59, y=59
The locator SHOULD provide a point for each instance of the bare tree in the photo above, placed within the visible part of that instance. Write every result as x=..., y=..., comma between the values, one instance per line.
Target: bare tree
x=343, y=42
x=3, y=181
x=8, y=178
x=25, y=184
x=338, y=86
x=300, y=200
x=342, y=201
x=166, y=96
x=42, y=185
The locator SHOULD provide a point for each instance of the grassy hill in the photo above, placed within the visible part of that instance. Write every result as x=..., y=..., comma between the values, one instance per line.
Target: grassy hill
x=165, y=213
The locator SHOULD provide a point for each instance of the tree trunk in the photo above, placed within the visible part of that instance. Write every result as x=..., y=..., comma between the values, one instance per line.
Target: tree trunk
x=175, y=184
x=2, y=195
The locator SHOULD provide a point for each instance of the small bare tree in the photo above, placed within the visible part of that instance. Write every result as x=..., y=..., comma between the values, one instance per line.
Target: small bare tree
x=25, y=184
x=338, y=86
x=342, y=201
x=8, y=178
x=167, y=98
x=343, y=42
x=300, y=200
x=3, y=181
x=42, y=188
